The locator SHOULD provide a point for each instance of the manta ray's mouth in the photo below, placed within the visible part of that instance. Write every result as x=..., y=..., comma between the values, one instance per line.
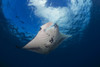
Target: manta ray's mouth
x=54, y=25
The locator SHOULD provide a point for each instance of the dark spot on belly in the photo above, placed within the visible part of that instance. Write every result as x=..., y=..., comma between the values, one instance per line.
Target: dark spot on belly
x=47, y=46
x=51, y=40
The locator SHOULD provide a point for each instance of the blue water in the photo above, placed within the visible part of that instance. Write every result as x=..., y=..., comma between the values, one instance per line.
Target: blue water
x=82, y=53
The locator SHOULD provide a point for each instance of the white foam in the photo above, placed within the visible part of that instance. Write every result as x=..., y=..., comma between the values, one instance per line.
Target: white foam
x=66, y=17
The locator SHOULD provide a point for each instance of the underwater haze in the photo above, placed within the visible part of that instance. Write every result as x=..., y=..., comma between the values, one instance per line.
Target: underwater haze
x=20, y=21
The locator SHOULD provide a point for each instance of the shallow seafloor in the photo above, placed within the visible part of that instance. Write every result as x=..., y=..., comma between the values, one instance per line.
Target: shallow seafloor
x=83, y=53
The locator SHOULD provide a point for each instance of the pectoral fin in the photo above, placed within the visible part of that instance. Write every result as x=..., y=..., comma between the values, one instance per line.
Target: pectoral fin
x=65, y=36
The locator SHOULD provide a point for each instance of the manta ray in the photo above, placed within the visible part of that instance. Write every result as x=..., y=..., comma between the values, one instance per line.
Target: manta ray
x=47, y=39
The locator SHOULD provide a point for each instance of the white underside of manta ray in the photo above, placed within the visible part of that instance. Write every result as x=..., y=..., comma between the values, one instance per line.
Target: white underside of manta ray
x=47, y=39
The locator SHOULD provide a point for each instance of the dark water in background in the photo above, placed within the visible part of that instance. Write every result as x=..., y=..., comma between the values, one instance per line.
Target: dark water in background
x=83, y=54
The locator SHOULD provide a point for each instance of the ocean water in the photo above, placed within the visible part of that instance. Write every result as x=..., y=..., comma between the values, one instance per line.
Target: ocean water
x=80, y=19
